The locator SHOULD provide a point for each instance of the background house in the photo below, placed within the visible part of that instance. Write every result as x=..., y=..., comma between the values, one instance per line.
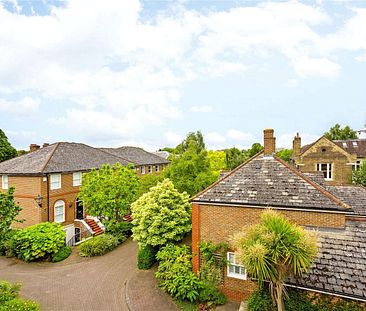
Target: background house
x=336, y=159
x=265, y=181
x=52, y=176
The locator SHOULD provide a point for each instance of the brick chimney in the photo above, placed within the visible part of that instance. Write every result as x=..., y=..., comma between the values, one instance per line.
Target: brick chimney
x=33, y=147
x=45, y=145
x=296, y=145
x=269, y=142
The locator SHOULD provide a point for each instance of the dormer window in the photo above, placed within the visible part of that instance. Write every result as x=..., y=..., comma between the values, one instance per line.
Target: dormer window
x=354, y=144
x=344, y=145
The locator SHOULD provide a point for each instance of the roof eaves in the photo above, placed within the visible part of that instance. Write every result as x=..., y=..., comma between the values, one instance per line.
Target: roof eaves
x=226, y=176
x=314, y=184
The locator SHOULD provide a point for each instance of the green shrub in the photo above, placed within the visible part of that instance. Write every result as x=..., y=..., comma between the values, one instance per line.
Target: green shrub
x=38, y=242
x=121, y=230
x=210, y=295
x=175, y=274
x=19, y=304
x=9, y=298
x=98, y=246
x=6, y=243
x=260, y=300
x=62, y=254
x=146, y=257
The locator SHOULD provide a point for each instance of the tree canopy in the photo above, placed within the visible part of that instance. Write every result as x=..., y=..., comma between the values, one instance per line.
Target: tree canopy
x=275, y=249
x=6, y=150
x=359, y=175
x=161, y=216
x=109, y=191
x=285, y=154
x=336, y=132
x=217, y=160
x=234, y=157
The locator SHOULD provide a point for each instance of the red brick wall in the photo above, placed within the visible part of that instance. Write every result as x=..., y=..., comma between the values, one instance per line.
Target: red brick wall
x=219, y=223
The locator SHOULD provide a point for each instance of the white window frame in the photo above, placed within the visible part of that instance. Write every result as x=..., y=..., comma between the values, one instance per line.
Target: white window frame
x=76, y=179
x=157, y=168
x=143, y=169
x=5, y=182
x=150, y=169
x=59, y=204
x=328, y=172
x=55, y=184
x=356, y=165
x=232, y=262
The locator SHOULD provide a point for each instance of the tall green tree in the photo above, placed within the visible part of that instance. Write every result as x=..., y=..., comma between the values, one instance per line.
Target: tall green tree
x=256, y=148
x=109, y=191
x=9, y=210
x=285, y=154
x=275, y=249
x=234, y=157
x=6, y=150
x=336, y=132
x=148, y=181
x=217, y=160
x=359, y=175
x=161, y=216
x=190, y=169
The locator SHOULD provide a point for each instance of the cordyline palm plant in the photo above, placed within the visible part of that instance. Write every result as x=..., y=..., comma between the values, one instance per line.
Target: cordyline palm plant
x=274, y=250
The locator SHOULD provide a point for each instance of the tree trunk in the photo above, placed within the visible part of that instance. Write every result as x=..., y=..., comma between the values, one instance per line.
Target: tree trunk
x=279, y=296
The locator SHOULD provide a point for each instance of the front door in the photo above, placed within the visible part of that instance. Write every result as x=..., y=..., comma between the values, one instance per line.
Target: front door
x=79, y=209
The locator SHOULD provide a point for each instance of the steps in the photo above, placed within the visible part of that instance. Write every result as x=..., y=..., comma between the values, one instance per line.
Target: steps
x=94, y=226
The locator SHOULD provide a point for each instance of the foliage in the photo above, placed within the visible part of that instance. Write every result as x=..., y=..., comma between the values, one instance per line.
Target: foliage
x=38, y=241
x=121, y=230
x=260, y=300
x=175, y=274
x=7, y=243
x=161, y=216
x=275, y=249
x=210, y=295
x=21, y=152
x=98, y=245
x=148, y=181
x=217, y=160
x=337, y=133
x=109, y=191
x=285, y=154
x=9, y=210
x=256, y=148
x=234, y=157
x=146, y=257
x=9, y=298
x=195, y=139
x=6, y=150
x=359, y=175
x=62, y=254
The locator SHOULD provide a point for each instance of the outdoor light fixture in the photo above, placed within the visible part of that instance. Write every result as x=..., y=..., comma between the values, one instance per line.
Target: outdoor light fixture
x=39, y=200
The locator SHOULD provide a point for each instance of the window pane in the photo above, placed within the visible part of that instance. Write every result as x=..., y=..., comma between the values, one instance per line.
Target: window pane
x=237, y=269
x=231, y=269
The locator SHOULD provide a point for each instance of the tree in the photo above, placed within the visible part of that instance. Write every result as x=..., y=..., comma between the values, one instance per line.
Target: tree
x=149, y=180
x=256, y=148
x=359, y=175
x=234, y=157
x=161, y=216
x=217, y=160
x=9, y=210
x=192, y=138
x=338, y=133
x=109, y=191
x=285, y=154
x=6, y=150
x=275, y=249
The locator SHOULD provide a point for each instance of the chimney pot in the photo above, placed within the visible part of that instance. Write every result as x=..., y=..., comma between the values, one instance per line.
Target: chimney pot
x=34, y=147
x=45, y=145
x=269, y=142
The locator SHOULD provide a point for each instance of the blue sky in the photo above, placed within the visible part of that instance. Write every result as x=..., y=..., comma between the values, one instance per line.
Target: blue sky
x=111, y=73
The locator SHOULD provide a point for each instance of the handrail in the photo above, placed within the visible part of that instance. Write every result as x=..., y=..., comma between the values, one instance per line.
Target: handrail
x=78, y=236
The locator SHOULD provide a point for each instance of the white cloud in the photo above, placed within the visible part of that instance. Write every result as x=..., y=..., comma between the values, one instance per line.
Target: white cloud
x=292, y=83
x=204, y=108
x=285, y=140
x=239, y=136
x=316, y=67
x=23, y=107
x=173, y=139
x=214, y=138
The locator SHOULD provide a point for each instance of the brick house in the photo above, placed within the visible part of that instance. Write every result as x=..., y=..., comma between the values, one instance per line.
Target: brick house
x=47, y=182
x=336, y=159
x=265, y=181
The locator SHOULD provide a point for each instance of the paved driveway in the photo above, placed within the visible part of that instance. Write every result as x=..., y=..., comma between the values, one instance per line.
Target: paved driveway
x=95, y=284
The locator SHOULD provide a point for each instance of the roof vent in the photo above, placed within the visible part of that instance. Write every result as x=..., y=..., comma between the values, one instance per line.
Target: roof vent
x=344, y=145
x=354, y=143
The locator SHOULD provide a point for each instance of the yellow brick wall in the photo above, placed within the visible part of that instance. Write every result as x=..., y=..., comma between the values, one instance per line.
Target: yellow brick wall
x=219, y=223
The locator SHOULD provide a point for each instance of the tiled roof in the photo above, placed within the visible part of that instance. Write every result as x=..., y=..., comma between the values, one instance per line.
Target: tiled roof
x=354, y=196
x=268, y=181
x=357, y=146
x=59, y=157
x=318, y=177
x=136, y=155
x=340, y=267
